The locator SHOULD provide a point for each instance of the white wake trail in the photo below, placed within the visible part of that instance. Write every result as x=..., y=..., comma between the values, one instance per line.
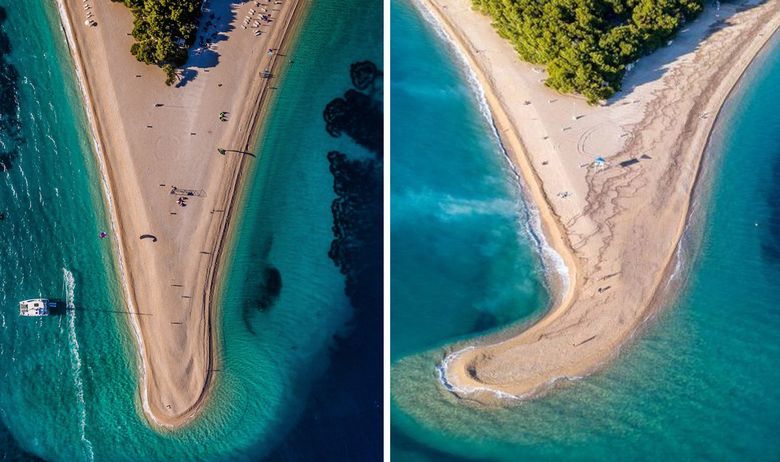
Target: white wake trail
x=75, y=359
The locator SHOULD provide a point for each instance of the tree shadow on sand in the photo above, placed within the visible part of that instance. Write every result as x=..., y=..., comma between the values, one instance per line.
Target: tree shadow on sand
x=215, y=22
x=688, y=39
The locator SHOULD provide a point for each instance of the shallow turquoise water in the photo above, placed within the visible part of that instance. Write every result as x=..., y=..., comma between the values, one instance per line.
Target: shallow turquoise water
x=699, y=384
x=68, y=386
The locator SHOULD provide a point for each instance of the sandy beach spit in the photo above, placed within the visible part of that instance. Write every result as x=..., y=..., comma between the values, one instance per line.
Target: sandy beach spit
x=157, y=147
x=616, y=224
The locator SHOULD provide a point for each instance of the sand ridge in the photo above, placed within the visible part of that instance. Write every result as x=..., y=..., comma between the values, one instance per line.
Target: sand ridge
x=151, y=138
x=617, y=225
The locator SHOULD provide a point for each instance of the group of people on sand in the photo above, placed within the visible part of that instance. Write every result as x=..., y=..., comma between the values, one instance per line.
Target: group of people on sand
x=182, y=201
x=90, y=16
x=264, y=15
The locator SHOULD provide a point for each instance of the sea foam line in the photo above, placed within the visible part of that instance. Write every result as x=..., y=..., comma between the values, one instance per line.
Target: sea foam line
x=441, y=370
x=75, y=359
x=552, y=261
x=67, y=29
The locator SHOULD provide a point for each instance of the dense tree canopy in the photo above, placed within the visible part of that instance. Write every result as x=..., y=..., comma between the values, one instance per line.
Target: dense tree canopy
x=163, y=31
x=586, y=44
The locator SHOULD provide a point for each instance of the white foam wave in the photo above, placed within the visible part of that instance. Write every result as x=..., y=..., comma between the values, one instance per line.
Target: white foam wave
x=552, y=261
x=118, y=246
x=26, y=187
x=11, y=187
x=441, y=370
x=442, y=367
x=471, y=78
x=75, y=359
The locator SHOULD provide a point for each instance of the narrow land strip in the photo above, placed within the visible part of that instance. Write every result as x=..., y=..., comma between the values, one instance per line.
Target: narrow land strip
x=164, y=176
x=612, y=184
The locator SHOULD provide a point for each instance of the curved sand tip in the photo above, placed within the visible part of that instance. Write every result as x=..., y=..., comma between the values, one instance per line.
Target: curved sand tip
x=619, y=227
x=169, y=268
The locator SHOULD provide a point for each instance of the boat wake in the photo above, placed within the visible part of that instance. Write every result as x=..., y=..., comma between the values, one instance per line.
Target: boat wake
x=75, y=359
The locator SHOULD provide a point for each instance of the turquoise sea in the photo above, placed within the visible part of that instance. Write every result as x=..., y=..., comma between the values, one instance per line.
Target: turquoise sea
x=68, y=383
x=699, y=384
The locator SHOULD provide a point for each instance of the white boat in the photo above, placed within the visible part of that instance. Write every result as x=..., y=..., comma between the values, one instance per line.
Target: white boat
x=34, y=307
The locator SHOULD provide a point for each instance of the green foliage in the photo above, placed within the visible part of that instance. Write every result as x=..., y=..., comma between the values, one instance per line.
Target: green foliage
x=170, y=74
x=163, y=31
x=586, y=44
